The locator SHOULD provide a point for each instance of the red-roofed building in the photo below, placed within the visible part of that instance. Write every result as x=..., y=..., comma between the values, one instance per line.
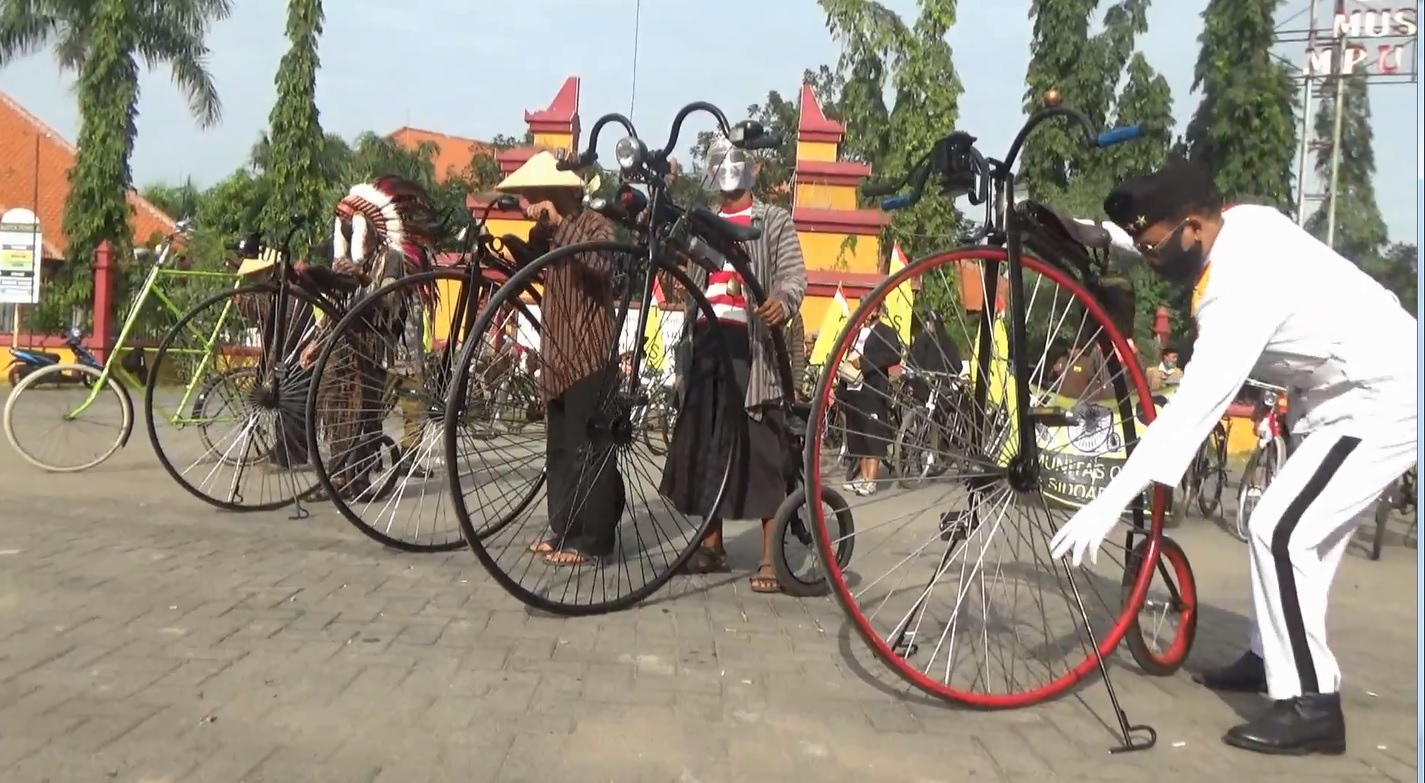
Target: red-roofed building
x=454, y=152
x=34, y=174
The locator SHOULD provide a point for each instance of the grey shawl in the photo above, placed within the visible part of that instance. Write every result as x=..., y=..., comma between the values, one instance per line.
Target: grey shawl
x=776, y=260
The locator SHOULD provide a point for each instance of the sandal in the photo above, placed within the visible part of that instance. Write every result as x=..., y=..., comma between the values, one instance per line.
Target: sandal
x=544, y=546
x=706, y=560
x=568, y=558
x=765, y=580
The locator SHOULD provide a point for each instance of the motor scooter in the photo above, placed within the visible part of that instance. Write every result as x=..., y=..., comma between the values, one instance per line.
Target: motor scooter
x=25, y=361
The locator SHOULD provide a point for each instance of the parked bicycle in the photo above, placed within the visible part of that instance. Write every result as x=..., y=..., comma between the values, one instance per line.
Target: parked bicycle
x=376, y=406
x=105, y=412
x=1399, y=498
x=243, y=347
x=652, y=540
x=1268, y=456
x=976, y=650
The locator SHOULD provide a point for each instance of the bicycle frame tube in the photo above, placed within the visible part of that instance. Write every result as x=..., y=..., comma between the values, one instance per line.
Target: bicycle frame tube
x=209, y=343
x=1018, y=337
x=112, y=367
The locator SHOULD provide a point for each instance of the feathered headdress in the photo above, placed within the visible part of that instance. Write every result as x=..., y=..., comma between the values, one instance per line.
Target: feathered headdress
x=400, y=214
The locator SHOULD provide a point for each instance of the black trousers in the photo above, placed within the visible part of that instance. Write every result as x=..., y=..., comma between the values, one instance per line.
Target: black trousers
x=585, y=489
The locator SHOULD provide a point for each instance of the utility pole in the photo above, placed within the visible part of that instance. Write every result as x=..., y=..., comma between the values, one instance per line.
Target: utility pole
x=1338, y=62
x=1306, y=96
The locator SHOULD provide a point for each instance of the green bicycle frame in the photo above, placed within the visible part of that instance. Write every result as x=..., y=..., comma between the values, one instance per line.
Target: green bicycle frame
x=113, y=367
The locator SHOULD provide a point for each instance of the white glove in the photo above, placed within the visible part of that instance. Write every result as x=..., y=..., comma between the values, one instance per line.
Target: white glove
x=1086, y=530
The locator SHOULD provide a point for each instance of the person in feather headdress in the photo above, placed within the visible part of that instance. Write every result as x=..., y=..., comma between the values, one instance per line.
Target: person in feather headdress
x=383, y=230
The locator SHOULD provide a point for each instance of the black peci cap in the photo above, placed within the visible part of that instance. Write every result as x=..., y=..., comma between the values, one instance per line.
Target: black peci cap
x=1167, y=194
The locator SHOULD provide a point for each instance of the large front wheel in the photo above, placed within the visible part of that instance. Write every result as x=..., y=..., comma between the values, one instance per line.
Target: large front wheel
x=953, y=585
x=614, y=521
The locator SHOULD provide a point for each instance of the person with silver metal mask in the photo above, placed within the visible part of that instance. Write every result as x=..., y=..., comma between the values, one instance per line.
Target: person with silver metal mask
x=701, y=443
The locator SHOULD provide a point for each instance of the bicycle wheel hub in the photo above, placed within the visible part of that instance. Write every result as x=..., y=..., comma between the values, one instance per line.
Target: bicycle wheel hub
x=1023, y=475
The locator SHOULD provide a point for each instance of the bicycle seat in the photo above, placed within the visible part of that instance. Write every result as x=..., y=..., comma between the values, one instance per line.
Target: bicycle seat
x=707, y=221
x=1089, y=235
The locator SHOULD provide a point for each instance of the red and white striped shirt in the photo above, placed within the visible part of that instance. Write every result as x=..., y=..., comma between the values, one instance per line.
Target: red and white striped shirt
x=725, y=288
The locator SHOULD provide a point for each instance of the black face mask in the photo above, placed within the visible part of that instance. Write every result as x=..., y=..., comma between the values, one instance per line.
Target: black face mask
x=1178, y=265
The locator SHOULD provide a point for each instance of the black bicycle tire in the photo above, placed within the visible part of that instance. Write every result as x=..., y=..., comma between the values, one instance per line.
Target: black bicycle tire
x=1215, y=475
x=1384, y=505
x=790, y=582
x=514, y=287
x=899, y=464
x=269, y=288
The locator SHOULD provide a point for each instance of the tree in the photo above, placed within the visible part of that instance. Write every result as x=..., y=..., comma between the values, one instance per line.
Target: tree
x=880, y=54
x=1057, y=165
x=102, y=42
x=1397, y=269
x=1360, y=230
x=1244, y=128
x=297, y=146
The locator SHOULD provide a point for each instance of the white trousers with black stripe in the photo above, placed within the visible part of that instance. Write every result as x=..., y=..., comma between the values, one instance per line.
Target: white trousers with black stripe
x=1298, y=534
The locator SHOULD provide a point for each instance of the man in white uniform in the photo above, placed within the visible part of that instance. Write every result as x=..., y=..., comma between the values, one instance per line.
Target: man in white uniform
x=1341, y=344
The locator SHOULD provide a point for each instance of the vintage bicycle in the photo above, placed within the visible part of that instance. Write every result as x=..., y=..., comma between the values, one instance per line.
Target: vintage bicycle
x=377, y=449
x=1268, y=456
x=971, y=642
x=96, y=398
x=243, y=349
x=1400, y=497
x=674, y=244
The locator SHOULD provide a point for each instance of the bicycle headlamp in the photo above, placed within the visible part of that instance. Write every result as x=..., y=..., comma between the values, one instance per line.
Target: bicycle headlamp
x=1269, y=398
x=629, y=153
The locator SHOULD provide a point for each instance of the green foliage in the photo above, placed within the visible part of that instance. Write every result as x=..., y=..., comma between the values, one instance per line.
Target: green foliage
x=882, y=54
x=300, y=189
x=102, y=41
x=1397, y=268
x=1245, y=126
x=1360, y=230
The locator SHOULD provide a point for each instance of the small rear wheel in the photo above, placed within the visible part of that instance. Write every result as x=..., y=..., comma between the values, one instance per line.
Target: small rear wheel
x=794, y=555
x=1163, y=629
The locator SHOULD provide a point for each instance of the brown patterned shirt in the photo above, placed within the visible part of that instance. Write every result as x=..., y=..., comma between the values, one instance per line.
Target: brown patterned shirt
x=577, y=336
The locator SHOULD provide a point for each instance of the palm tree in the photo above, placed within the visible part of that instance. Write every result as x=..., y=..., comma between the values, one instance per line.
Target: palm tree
x=104, y=42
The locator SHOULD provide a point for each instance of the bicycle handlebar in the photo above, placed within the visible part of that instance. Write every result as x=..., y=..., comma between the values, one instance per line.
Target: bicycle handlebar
x=961, y=165
x=747, y=135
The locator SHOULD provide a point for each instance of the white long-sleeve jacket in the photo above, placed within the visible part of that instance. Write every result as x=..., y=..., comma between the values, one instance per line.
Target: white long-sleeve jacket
x=1277, y=305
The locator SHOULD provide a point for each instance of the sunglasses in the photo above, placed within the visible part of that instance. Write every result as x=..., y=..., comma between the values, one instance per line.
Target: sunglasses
x=1145, y=249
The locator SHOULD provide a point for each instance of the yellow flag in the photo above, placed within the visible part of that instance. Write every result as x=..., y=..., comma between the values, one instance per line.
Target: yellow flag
x=653, y=349
x=837, y=314
x=900, y=302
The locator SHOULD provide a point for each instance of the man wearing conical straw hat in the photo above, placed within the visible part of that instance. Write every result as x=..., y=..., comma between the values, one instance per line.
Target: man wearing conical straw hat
x=576, y=358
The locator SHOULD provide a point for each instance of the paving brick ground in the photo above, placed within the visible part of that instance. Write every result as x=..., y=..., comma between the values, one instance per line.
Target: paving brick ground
x=147, y=639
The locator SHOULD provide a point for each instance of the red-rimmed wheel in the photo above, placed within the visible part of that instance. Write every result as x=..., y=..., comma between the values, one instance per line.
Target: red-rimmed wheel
x=953, y=585
x=1165, y=625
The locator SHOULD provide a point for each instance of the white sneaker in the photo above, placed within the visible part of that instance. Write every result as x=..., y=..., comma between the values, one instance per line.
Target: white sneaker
x=865, y=488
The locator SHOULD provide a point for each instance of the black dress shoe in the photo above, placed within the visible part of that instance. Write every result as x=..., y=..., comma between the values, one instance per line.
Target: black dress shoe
x=1247, y=674
x=1312, y=723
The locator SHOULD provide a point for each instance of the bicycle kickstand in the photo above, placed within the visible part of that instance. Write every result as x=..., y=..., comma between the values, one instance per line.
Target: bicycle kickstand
x=1135, y=737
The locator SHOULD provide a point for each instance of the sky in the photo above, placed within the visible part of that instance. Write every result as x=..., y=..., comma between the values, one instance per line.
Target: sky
x=472, y=69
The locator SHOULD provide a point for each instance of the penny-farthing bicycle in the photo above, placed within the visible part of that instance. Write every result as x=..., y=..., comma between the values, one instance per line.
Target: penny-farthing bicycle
x=652, y=538
x=244, y=347
x=376, y=406
x=953, y=586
